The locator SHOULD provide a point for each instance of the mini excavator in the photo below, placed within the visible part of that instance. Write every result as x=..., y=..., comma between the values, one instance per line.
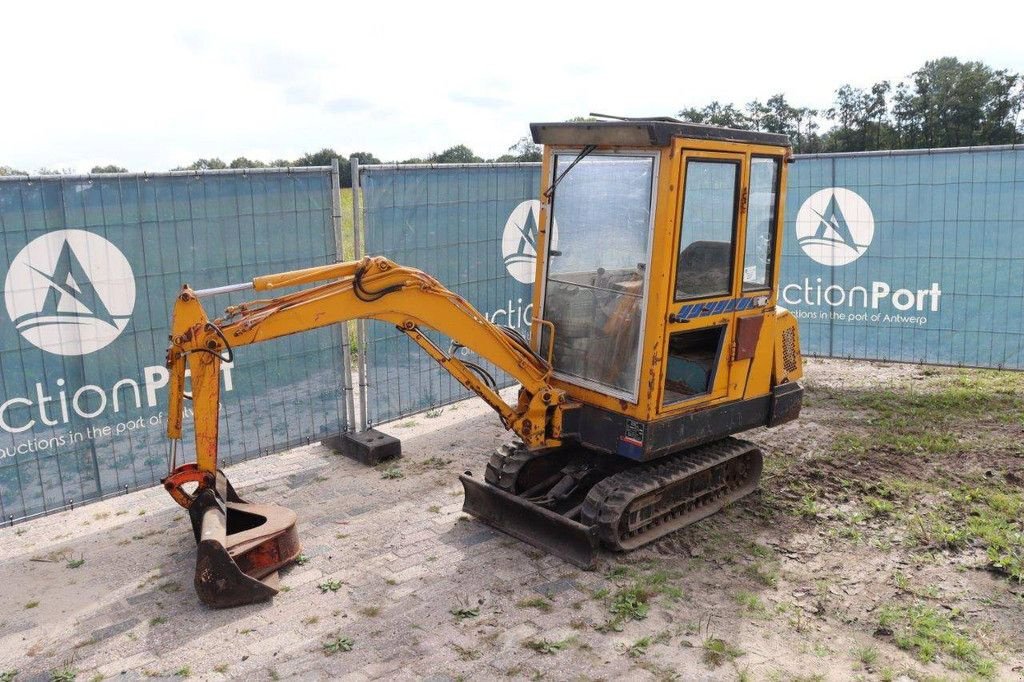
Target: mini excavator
x=656, y=338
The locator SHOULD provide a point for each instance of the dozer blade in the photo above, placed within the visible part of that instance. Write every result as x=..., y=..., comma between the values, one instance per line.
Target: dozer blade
x=240, y=547
x=531, y=523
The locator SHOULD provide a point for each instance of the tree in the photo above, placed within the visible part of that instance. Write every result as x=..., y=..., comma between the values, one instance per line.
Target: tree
x=320, y=158
x=460, y=153
x=717, y=114
x=242, y=162
x=523, y=151
x=203, y=164
x=111, y=168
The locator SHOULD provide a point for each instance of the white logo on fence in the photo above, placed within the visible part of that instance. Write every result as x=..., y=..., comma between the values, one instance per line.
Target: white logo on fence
x=519, y=240
x=835, y=226
x=70, y=292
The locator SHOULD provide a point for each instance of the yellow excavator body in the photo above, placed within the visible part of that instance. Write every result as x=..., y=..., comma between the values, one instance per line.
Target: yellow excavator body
x=656, y=338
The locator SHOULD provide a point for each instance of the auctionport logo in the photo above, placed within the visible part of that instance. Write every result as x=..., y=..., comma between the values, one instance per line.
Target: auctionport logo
x=835, y=226
x=70, y=292
x=519, y=240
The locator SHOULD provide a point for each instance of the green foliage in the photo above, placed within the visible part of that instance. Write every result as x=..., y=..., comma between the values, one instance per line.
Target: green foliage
x=110, y=168
x=329, y=586
x=392, y=473
x=75, y=563
x=540, y=603
x=546, y=646
x=945, y=103
x=66, y=673
x=463, y=612
x=336, y=644
x=460, y=153
x=718, y=651
x=927, y=632
x=7, y=170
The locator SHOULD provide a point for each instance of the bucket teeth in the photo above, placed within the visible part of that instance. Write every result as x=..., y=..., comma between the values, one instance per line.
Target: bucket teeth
x=241, y=546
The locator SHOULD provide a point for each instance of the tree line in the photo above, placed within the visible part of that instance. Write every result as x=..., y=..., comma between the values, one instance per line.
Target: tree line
x=945, y=103
x=523, y=150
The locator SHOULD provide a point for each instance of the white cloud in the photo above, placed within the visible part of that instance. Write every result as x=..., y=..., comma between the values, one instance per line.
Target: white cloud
x=153, y=86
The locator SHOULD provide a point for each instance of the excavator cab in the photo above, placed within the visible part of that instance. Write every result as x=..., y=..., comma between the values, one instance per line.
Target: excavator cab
x=655, y=300
x=657, y=337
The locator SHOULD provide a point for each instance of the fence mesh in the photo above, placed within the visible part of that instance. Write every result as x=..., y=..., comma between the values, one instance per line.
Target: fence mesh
x=78, y=424
x=937, y=247
x=449, y=221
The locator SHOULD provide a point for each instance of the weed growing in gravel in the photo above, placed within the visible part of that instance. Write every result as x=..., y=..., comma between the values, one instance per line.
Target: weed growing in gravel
x=808, y=507
x=183, y=671
x=157, y=620
x=392, y=473
x=541, y=603
x=32, y=604
x=220, y=668
x=462, y=612
x=466, y=654
x=8, y=675
x=927, y=632
x=65, y=673
x=75, y=563
x=867, y=656
x=370, y=611
x=338, y=643
x=329, y=586
x=751, y=603
x=717, y=651
x=302, y=560
x=632, y=601
x=547, y=646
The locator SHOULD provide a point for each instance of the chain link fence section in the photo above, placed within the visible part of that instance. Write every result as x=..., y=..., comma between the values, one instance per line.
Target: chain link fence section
x=93, y=265
x=469, y=225
x=911, y=256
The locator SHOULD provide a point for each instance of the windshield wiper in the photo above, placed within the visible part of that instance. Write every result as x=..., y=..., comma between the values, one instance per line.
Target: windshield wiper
x=550, y=191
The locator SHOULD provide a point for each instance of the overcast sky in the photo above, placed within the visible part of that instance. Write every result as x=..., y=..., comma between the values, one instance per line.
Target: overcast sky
x=154, y=85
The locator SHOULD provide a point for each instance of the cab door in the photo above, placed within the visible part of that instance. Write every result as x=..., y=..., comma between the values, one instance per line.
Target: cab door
x=706, y=282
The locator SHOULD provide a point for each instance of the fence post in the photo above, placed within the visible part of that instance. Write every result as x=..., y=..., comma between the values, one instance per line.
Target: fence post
x=357, y=228
x=339, y=245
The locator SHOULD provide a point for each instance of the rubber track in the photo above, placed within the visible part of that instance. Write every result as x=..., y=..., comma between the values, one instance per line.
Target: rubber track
x=609, y=500
x=505, y=463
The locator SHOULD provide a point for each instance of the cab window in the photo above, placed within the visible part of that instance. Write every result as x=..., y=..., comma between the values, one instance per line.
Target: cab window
x=707, y=239
x=761, y=214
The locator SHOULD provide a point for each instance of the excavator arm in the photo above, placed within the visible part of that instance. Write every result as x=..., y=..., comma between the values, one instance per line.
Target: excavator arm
x=372, y=288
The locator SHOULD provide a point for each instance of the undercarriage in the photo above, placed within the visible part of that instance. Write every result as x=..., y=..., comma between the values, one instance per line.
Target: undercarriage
x=571, y=500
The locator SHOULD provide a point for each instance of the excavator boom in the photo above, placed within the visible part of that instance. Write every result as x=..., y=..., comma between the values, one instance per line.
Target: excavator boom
x=373, y=288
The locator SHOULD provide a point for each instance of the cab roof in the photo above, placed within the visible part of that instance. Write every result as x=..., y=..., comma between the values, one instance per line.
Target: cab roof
x=654, y=132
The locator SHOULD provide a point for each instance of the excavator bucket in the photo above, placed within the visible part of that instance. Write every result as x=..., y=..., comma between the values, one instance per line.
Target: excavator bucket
x=241, y=546
x=531, y=523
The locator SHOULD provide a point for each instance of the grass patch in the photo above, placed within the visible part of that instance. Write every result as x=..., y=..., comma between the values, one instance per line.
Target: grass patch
x=463, y=612
x=867, y=656
x=540, y=603
x=466, y=654
x=336, y=644
x=717, y=652
x=547, y=646
x=927, y=632
x=75, y=563
x=751, y=603
x=329, y=586
x=638, y=589
x=392, y=473
x=183, y=671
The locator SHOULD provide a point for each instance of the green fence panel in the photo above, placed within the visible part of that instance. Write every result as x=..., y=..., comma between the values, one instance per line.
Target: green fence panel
x=92, y=267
